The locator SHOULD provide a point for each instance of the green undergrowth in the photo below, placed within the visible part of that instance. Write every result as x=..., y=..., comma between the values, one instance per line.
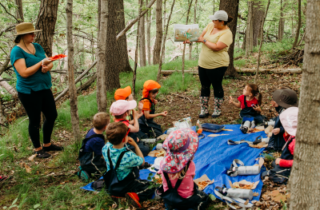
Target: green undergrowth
x=40, y=190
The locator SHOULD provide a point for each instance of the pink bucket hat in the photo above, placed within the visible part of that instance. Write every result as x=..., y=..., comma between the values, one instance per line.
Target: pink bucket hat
x=121, y=106
x=180, y=145
x=289, y=120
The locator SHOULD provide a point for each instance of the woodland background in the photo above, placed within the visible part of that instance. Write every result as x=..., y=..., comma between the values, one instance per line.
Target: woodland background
x=98, y=63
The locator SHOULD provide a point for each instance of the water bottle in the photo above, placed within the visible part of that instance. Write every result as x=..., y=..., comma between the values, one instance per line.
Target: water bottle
x=270, y=122
x=236, y=170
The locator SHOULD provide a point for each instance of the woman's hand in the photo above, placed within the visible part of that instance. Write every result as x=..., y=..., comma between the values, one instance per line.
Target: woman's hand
x=45, y=69
x=46, y=61
x=200, y=39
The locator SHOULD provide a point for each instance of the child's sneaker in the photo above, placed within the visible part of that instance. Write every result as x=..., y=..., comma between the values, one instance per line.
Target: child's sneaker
x=133, y=199
x=83, y=175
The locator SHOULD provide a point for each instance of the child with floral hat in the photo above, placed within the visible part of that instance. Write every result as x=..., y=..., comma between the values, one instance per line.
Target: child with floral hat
x=147, y=125
x=177, y=171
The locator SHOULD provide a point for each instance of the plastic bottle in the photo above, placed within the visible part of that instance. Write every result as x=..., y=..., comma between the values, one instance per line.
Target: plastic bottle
x=198, y=127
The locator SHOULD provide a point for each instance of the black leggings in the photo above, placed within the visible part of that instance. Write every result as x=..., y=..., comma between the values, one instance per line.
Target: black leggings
x=34, y=104
x=214, y=77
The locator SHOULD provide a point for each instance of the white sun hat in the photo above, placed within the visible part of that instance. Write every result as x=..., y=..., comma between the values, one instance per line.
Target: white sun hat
x=219, y=15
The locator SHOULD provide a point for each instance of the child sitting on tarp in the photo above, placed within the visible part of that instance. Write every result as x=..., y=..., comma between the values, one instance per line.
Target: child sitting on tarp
x=250, y=106
x=126, y=94
x=120, y=110
x=282, y=99
x=147, y=125
x=122, y=177
x=282, y=166
x=90, y=154
x=177, y=171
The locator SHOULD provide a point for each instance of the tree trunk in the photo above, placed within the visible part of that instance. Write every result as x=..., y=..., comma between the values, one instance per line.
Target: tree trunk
x=164, y=26
x=101, y=59
x=184, y=46
x=99, y=16
x=258, y=14
x=8, y=88
x=164, y=43
x=232, y=8
x=299, y=25
x=72, y=85
x=305, y=171
x=123, y=58
x=136, y=54
x=157, y=43
x=281, y=23
x=19, y=10
x=46, y=21
x=261, y=40
x=249, y=29
x=214, y=6
x=149, y=19
x=142, y=42
x=112, y=67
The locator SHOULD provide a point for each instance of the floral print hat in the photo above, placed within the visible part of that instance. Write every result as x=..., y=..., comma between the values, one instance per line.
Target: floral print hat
x=180, y=145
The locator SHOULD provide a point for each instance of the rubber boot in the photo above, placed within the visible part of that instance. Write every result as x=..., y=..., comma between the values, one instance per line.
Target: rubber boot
x=217, y=107
x=204, y=100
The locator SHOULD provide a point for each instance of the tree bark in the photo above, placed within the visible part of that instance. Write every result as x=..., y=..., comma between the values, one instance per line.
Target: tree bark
x=281, y=22
x=159, y=33
x=214, y=6
x=46, y=21
x=142, y=42
x=261, y=40
x=19, y=10
x=123, y=58
x=299, y=25
x=8, y=88
x=249, y=29
x=112, y=67
x=305, y=173
x=184, y=45
x=149, y=19
x=258, y=14
x=136, y=54
x=72, y=85
x=99, y=16
x=164, y=26
x=232, y=8
x=101, y=59
x=164, y=43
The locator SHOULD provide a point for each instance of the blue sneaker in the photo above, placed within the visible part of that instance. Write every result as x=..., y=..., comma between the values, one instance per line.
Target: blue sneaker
x=83, y=175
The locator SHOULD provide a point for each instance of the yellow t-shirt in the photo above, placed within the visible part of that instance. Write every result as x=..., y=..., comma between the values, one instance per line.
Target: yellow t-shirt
x=210, y=59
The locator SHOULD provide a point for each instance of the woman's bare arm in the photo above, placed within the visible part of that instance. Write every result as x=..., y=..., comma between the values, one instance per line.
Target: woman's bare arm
x=22, y=69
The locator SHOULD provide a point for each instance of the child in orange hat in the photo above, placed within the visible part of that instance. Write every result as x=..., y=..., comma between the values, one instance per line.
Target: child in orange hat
x=147, y=125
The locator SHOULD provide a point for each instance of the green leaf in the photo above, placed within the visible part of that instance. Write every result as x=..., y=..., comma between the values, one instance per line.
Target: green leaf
x=37, y=206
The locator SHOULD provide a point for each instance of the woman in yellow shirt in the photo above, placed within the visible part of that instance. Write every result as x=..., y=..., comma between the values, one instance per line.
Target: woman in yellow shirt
x=214, y=60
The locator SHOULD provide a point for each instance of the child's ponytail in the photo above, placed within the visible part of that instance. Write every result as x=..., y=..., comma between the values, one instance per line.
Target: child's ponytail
x=255, y=92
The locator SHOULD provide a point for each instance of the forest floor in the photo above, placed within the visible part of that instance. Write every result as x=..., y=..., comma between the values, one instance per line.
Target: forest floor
x=51, y=183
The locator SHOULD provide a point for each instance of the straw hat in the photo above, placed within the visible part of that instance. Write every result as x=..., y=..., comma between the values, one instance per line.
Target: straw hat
x=25, y=28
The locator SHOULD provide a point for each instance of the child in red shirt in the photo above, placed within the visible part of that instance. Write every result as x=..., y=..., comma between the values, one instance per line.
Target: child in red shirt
x=282, y=166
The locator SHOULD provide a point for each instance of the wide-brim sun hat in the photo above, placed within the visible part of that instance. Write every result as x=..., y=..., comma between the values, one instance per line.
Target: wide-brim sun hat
x=25, y=28
x=289, y=120
x=219, y=15
x=180, y=145
x=122, y=93
x=285, y=98
x=121, y=106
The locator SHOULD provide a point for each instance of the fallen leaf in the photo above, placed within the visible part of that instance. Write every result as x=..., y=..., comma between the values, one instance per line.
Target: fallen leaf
x=15, y=149
x=246, y=203
x=32, y=157
x=274, y=193
x=28, y=169
x=255, y=194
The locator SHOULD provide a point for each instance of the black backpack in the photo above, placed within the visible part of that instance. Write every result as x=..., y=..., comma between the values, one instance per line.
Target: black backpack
x=85, y=158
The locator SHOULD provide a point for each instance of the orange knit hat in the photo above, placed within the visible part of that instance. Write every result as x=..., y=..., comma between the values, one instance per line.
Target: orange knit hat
x=148, y=86
x=122, y=94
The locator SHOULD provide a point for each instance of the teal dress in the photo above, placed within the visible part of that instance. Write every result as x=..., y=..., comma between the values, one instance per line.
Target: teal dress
x=36, y=82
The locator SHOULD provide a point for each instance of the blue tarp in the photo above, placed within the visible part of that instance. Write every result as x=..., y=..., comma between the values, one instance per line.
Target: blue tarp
x=215, y=156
